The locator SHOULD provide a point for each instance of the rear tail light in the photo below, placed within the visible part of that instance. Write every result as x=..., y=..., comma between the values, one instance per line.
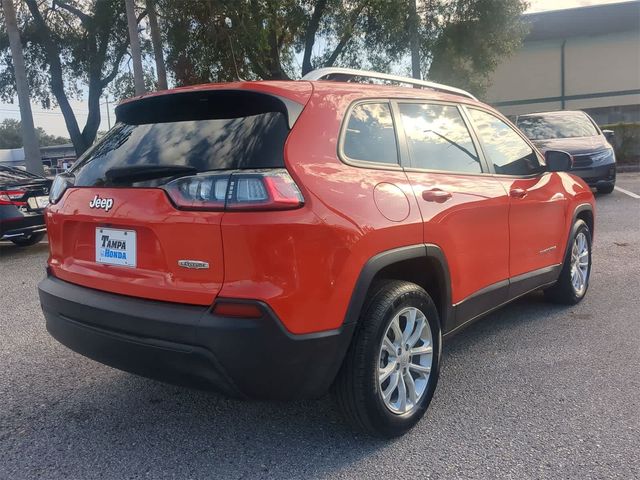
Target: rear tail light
x=12, y=197
x=59, y=186
x=243, y=190
x=237, y=309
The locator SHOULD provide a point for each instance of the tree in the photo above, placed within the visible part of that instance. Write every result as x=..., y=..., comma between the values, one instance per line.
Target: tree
x=266, y=37
x=81, y=46
x=123, y=86
x=10, y=135
x=134, y=40
x=33, y=159
x=156, y=40
x=414, y=38
x=474, y=37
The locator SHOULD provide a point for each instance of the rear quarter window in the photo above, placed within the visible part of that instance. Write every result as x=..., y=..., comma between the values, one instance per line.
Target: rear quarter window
x=369, y=135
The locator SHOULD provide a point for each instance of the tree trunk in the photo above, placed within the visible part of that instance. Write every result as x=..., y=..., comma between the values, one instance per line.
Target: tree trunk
x=134, y=40
x=414, y=39
x=93, y=118
x=32, y=157
x=346, y=36
x=56, y=81
x=310, y=35
x=156, y=40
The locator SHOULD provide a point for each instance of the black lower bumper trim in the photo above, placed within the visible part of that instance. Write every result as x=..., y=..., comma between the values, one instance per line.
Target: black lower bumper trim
x=599, y=176
x=22, y=231
x=188, y=345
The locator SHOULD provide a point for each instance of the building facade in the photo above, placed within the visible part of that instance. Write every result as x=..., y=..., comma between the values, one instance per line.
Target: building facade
x=54, y=157
x=585, y=58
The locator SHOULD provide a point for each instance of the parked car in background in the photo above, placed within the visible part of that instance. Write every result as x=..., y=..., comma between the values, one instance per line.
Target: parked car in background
x=576, y=133
x=274, y=239
x=23, y=197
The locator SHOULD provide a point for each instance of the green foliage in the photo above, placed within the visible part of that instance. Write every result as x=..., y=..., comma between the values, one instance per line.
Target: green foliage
x=78, y=40
x=201, y=47
x=123, y=86
x=11, y=135
x=78, y=48
x=475, y=35
x=461, y=42
x=267, y=38
x=73, y=48
x=626, y=141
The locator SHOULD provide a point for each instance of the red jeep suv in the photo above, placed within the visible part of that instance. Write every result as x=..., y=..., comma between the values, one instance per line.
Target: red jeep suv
x=278, y=239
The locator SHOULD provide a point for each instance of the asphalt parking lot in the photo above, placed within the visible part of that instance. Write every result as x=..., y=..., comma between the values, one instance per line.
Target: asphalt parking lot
x=532, y=391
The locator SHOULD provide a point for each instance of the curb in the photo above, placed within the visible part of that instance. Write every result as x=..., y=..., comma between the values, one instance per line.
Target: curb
x=627, y=168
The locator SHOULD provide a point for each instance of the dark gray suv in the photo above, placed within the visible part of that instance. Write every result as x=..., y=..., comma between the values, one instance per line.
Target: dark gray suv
x=576, y=133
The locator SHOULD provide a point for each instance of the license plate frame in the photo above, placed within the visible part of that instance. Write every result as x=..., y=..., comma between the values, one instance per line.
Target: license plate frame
x=116, y=246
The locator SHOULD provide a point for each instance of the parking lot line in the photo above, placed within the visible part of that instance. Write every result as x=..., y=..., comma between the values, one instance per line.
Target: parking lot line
x=627, y=192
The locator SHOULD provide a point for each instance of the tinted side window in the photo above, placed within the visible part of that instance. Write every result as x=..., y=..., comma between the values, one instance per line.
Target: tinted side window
x=438, y=138
x=503, y=147
x=370, y=136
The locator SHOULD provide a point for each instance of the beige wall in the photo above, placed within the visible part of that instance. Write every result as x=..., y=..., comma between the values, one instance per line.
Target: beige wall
x=605, y=63
x=533, y=72
x=597, y=64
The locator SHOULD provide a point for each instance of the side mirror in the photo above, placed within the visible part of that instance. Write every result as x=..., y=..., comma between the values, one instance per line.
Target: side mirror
x=558, y=161
x=609, y=135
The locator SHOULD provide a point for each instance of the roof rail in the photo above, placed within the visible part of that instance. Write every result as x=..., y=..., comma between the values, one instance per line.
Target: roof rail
x=348, y=74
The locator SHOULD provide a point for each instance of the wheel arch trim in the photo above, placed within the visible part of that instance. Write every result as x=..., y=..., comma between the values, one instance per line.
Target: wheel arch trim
x=384, y=259
x=583, y=207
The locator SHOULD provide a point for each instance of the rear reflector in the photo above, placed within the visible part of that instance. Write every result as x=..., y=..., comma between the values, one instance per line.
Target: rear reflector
x=11, y=197
x=239, y=190
x=240, y=310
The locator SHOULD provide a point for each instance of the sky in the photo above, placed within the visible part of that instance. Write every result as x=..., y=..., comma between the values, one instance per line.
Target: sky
x=52, y=120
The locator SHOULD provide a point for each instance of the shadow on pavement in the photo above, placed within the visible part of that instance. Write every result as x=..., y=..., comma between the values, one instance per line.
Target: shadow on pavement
x=10, y=250
x=132, y=419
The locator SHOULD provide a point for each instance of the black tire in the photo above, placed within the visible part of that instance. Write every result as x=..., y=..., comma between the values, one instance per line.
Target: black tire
x=28, y=241
x=356, y=387
x=607, y=189
x=562, y=291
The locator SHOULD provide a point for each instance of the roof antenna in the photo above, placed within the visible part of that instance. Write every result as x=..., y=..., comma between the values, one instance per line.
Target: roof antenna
x=229, y=24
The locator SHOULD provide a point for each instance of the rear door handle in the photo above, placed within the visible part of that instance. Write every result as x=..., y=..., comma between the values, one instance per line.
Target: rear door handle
x=436, y=195
x=518, y=193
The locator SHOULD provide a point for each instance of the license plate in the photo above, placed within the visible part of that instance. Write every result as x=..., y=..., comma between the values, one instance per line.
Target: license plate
x=38, y=203
x=116, y=247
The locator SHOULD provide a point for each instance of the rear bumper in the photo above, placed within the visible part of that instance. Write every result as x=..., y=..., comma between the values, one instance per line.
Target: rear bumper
x=188, y=345
x=599, y=176
x=15, y=223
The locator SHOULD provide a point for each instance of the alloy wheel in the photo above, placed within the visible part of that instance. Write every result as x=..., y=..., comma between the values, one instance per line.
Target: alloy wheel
x=405, y=360
x=580, y=264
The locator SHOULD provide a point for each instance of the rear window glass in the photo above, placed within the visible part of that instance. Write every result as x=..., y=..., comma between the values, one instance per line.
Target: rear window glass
x=557, y=125
x=10, y=175
x=238, y=138
x=370, y=136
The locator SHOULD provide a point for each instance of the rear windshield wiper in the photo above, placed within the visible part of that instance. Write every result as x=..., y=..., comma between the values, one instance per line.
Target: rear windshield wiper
x=139, y=173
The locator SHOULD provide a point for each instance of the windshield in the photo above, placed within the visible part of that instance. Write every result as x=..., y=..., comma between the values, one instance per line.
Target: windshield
x=564, y=125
